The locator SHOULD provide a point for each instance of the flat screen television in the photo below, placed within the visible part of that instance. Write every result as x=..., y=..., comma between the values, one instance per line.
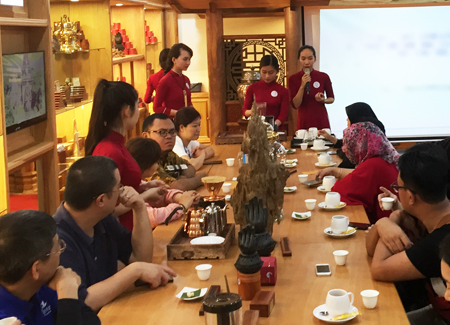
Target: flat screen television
x=24, y=89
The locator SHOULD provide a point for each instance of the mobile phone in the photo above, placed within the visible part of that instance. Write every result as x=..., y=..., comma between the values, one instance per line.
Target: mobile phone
x=323, y=269
x=314, y=182
x=212, y=162
x=359, y=225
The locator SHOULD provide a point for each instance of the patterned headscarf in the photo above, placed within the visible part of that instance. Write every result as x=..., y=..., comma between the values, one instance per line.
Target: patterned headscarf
x=365, y=140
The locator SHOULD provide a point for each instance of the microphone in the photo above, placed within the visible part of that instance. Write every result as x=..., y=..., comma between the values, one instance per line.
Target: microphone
x=308, y=86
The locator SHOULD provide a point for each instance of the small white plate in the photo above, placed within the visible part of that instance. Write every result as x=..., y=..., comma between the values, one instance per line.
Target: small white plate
x=340, y=206
x=328, y=318
x=290, y=151
x=304, y=215
x=207, y=240
x=290, y=165
x=330, y=233
x=320, y=149
x=322, y=189
x=291, y=161
x=290, y=189
x=188, y=289
x=325, y=166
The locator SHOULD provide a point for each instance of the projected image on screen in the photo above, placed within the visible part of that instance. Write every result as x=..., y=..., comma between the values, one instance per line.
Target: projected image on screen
x=395, y=59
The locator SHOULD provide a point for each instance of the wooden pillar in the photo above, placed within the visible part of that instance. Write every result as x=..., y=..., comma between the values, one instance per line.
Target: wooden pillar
x=293, y=28
x=216, y=70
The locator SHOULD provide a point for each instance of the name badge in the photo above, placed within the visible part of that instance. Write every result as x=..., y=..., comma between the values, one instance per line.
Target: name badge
x=274, y=93
x=316, y=84
x=187, y=85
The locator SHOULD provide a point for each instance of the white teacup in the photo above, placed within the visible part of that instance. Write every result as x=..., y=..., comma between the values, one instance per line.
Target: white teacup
x=310, y=204
x=339, y=302
x=226, y=187
x=370, y=298
x=340, y=256
x=230, y=161
x=312, y=132
x=302, y=178
x=387, y=203
x=327, y=131
x=318, y=143
x=203, y=271
x=304, y=146
x=328, y=182
x=324, y=159
x=332, y=199
x=339, y=224
x=300, y=134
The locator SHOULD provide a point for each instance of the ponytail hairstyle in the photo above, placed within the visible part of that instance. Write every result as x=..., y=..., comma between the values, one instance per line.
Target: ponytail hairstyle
x=175, y=52
x=269, y=60
x=163, y=58
x=110, y=97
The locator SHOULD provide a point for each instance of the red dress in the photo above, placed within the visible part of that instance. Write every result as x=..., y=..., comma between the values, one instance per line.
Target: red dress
x=274, y=94
x=362, y=186
x=113, y=146
x=169, y=93
x=152, y=83
x=311, y=113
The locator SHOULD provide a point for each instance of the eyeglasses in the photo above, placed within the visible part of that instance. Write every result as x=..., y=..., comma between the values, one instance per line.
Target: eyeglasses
x=62, y=248
x=396, y=187
x=163, y=132
x=120, y=189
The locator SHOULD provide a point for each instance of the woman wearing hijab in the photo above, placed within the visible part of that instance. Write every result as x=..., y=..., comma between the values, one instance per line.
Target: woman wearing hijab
x=357, y=112
x=375, y=158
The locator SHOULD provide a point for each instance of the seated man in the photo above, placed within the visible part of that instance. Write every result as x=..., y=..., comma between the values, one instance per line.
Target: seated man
x=33, y=288
x=422, y=191
x=96, y=240
x=160, y=128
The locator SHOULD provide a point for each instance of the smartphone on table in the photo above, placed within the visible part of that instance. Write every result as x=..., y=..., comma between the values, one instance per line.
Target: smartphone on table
x=359, y=225
x=323, y=269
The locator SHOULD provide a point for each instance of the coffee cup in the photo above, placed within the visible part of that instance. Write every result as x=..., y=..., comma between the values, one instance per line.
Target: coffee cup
x=203, y=271
x=318, y=143
x=300, y=134
x=302, y=178
x=370, y=298
x=387, y=203
x=304, y=146
x=339, y=302
x=312, y=132
x=226, y=187
x=340, y=256
x=328, y=183
x=327, y=131
x=324, y=159
x=230, y=162
x=339, y=224
x=310, y=204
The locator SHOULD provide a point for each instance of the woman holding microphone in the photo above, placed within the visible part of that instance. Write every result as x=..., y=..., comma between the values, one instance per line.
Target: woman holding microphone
x=307, y=90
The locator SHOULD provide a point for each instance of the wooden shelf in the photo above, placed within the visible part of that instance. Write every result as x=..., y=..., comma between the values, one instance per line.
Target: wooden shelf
x=80, y=51
x=74, y=105
x=27, y=22
x=29, y=153
x=128, y=58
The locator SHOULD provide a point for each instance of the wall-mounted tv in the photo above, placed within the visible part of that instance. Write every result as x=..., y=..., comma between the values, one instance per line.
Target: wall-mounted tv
x=24, y=90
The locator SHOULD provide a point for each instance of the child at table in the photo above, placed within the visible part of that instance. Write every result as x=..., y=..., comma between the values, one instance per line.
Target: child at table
x=171, y=207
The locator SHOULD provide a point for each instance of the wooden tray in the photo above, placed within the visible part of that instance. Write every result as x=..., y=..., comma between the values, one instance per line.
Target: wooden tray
x=179, y=247
x=230, y=137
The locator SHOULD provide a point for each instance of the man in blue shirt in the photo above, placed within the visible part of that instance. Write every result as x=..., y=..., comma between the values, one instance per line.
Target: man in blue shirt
x=33, y=288
x=96, y=240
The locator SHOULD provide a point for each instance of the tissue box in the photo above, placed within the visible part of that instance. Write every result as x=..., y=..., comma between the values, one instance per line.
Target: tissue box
x=269, y=271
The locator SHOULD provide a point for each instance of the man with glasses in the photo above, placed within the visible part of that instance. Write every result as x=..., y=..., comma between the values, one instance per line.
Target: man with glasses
x=33, y=288
x=95, y=239
x=407, y=248
x=173, y=170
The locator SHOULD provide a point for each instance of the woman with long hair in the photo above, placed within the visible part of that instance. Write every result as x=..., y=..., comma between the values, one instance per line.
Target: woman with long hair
x=174, y=89
x=115, y=112
x=154, y=79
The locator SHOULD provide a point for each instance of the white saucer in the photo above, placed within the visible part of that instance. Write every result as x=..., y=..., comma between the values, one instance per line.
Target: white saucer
x=207, y=240
x=304, y=215
x=290, y=165
x=291, y=161
x=290, y=189
x=331, y=164
x=320, y=149
x=341, y=206
x=329, y=319
x=188, y=289
x=322, y=189
x=330, y=233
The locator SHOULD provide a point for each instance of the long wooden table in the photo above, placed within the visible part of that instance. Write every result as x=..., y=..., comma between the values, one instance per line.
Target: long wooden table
x=298, y=290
